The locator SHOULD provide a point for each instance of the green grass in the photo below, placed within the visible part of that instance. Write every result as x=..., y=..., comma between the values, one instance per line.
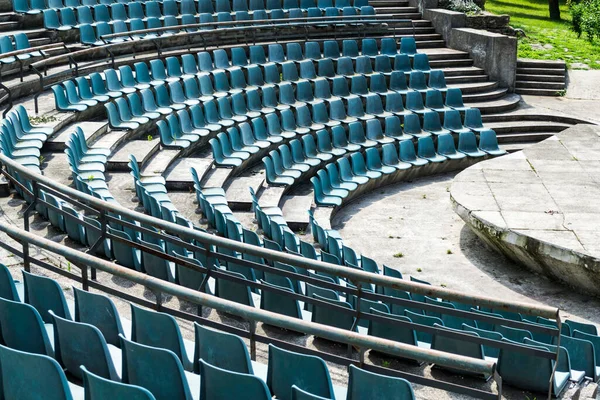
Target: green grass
x=532, y=16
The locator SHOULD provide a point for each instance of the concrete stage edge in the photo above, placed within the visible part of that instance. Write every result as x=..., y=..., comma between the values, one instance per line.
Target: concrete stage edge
x=541, y=206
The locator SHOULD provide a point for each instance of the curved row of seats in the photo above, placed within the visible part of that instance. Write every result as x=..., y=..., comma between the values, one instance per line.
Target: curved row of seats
x=20, y=141
x=201, y=6
x=293, y=162
x=136, y=18
x=109, y=354
x=88, y=166
x=275, y=303
x=19, y=41
x=339, y=180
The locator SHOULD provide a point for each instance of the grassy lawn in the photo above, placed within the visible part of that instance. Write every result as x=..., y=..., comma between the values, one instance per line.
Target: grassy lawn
x=560, y=42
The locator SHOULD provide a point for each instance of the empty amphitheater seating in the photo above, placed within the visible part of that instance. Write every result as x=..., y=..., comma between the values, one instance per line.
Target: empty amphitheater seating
x=85, y=348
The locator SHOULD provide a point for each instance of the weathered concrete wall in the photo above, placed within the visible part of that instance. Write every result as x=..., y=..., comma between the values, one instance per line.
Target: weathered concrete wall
x=495, y=53
x=423, y=5
x=445, y=20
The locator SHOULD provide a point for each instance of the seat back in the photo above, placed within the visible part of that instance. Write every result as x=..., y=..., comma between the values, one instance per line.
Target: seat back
x=8, y=289
x=45, y=294
x=221, y=349
x=99, y=311
x=32, y=376
x=157, y=329
x=23, y=329
x=140, y=368
x=368, y=385
x=287, y=368
x=77, y=344
x=218, y=383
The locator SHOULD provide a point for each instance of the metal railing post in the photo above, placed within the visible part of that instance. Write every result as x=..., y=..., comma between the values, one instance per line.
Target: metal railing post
x=35, y=191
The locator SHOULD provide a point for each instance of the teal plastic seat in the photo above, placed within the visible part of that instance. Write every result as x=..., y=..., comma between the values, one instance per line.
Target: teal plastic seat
x=407, y=154
x=408, y=46
x=79, y=344
x=473, y=120
x=323, y=314
x=299, y=394
x=454, y=99
x=45, y=294
x=489, y=351
x=514, y=334
x=87, y=306
x=423, y=320
x=22, y=328
x=234, y=291
x=98, y=388
x=34, y=376
x=434, y=101
x=583, y=327
x=437, y=80
x=426, y=150
x=9, y=288
x=446, y=148
x=488, y=142
x=529, y=372
x=414, y=102
x=368, y=385
x=222, y=350
x=373, y=162
x=398, y=81
x=157, y=329
x=220, y=384
x=463, y=347
x=453, y=123
x=165, y=383
x=467, y=144
x=595, y=341
x=582, y=355
x=307, y=372
x=393, y=332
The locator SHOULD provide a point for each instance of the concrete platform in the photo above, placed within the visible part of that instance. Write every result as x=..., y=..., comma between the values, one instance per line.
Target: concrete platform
x=540, y=206
x=142, y=150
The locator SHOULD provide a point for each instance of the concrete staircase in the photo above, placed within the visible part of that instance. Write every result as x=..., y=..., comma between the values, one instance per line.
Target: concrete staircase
x=540, y=77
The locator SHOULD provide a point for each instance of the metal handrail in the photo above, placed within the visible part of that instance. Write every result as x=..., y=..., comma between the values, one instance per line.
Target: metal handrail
x=255, y=314
x=290, y=259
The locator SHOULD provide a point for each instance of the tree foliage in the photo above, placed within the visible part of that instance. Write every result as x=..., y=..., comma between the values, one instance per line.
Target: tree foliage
x=586, y=18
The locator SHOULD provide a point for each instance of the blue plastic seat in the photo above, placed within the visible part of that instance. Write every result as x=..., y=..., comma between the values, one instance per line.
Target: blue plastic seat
x=583, y=327
x=414, y=103
x=408, y=46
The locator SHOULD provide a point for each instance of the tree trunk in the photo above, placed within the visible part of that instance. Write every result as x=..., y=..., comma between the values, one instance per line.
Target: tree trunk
x=554, y=9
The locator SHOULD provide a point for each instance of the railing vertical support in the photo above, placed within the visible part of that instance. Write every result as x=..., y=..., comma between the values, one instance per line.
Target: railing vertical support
x=31, y=207
x=253, y=340
x=84, y=278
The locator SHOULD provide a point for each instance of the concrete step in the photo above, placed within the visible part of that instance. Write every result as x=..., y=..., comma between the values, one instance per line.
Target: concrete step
x=429, y=44
x=8, y=26
x=476, y=87
x=388, y=3
x=463, y=71
x=514, y=147
x=550, y=64
x=466, y=79
x=405, y=15
x=541, y=71
x=540, y=85
x=502, y=128
x=505, y=104
x=9, y=16
x=141, y=149
x=526, y=137
x=485, y=96
x=445, y=53
x=536, y=92
x=452, y=63
x=397, y=9
x=517, y=116
x=92, y=130
x=540, y=78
